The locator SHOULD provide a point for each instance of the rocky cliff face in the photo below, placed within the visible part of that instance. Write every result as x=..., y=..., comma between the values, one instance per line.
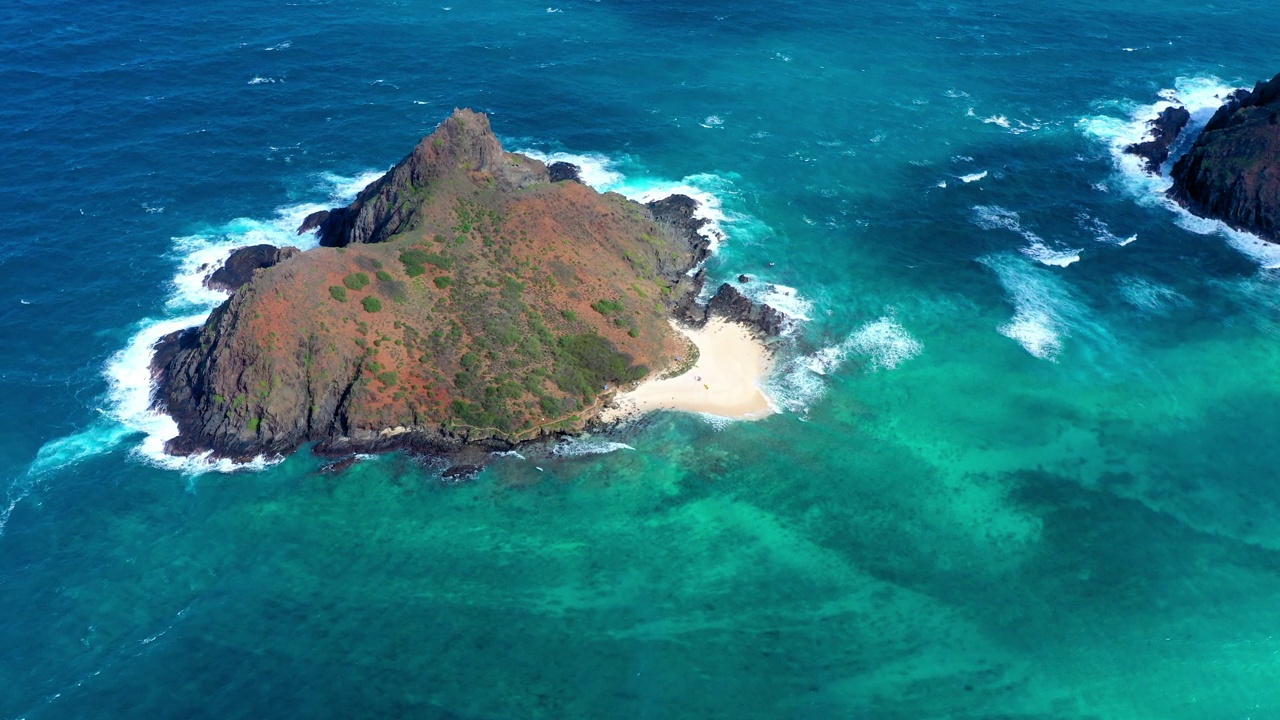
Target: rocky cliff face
x=1232, y=172
x=462, y=298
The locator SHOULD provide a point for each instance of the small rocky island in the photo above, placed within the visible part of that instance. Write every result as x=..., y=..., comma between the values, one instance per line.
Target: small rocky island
x=1232, y=170
x=469, y=298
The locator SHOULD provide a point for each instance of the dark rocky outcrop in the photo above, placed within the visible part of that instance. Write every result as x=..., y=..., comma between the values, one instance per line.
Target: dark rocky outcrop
x=562, y=171
x=676, y=214
x=1232, y=172
x=1164, y=132
x=239, y=268
x=730, y=304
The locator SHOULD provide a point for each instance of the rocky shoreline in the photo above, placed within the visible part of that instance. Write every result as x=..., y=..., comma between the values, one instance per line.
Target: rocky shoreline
x=187, y=364
x=1231, y=172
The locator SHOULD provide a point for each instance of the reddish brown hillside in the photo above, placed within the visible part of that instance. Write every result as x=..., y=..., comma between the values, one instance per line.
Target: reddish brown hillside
x=463, y=295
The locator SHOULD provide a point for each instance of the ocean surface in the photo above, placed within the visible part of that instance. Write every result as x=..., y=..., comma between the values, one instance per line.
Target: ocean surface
x=1026, y=459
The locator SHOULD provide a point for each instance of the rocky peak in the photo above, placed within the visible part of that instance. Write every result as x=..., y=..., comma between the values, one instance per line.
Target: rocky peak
x=463, y=141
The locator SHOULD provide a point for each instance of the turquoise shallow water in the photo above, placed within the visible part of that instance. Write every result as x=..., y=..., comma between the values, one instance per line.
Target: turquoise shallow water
x=1025, y=468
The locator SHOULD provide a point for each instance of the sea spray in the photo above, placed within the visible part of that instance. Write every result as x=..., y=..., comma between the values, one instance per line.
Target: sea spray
x=127, y=407
x=993, y=217
x=580, y=446
x=801, y=380
x=1201, y=96
x=1044, y=309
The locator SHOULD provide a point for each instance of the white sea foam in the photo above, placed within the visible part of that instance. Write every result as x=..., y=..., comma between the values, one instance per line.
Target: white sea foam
x=973, y=177
x=1000, y=120
x=885, y=343
x=1201, y=96
x=126, y=410
x=712, y=121
x=1049, y=256
x=785, y=299
x=801, y=380
x=798, y=382
x=1101, y=232
x=1044, y=312
x=263, y=81
x=1151, y=296
x=992, y=217
x=579, y=446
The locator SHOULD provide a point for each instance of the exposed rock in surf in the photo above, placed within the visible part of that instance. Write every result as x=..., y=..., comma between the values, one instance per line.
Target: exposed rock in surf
x=730, y=304
x=562, y=171
x=1164, y=133
x=239, y=268
x=1232, y=172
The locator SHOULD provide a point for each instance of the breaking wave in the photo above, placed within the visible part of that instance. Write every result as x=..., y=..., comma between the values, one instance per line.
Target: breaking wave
x=1151, y=296
x=1201, y=96
x=885, y=343
x=126, y=409
x=801, y=380
x=992, y=217
x=1044, y=310
x=580, y=446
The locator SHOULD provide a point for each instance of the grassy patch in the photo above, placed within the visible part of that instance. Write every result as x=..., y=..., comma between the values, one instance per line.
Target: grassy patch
x=608, y=307
x=371, y=304
x=338, y=292
x=356, y=281
x=443, y=281
x=586, y=363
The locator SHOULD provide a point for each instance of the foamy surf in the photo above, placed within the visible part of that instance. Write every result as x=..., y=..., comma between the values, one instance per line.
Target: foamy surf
x=1201, y=96
x=126, y=409
x=1042, y=307
x=801, y=380
x=1150, y=296
x=580, y=446
x=885, y=344
x=1101, y=232
x=992, y=217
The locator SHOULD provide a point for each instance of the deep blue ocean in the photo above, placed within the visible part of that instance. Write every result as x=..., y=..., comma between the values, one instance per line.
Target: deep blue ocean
x=1026, y=464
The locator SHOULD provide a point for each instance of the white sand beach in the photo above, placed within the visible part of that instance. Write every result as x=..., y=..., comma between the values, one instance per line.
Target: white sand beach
x=725, y=382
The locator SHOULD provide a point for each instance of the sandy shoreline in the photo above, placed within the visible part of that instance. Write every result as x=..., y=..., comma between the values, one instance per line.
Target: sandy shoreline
x=725, y=382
